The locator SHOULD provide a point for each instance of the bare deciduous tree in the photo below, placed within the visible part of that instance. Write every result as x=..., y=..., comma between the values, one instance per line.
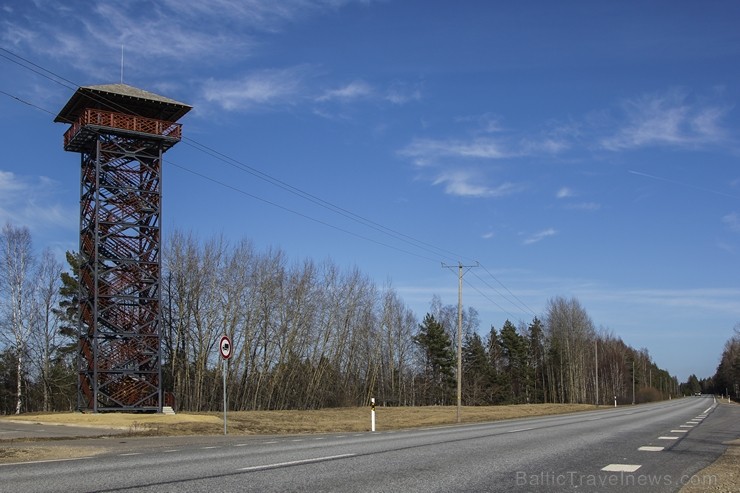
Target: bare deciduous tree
x=16, y=266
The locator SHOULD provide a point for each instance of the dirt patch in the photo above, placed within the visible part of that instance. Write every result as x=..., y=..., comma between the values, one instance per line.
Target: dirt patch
x=17, y=452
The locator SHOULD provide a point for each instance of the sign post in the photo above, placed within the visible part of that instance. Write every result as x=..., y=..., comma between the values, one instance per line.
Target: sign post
x=225, y=348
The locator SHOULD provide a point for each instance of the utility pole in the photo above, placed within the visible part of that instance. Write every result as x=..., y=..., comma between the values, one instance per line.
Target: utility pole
x=596, y=353
x=460, y=275
x=633, y=382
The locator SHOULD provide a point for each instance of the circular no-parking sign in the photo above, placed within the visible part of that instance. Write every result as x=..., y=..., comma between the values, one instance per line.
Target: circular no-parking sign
x=225, y=347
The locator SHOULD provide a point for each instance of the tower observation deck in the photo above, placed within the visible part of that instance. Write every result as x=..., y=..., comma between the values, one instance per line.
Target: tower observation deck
x=121, y=133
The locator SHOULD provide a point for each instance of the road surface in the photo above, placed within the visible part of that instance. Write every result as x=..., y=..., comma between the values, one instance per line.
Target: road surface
x=647, y=448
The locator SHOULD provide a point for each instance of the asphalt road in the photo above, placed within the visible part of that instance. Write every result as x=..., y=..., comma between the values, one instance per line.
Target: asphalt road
x=648, y=448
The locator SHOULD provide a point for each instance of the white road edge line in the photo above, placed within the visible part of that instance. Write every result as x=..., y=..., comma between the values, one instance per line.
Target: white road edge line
x=45, y=461
x=622, y=467
x=296, y=462
x=520, y=429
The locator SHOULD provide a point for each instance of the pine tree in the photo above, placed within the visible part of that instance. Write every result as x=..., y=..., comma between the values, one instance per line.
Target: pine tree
x=439, y=360
x=476, y=371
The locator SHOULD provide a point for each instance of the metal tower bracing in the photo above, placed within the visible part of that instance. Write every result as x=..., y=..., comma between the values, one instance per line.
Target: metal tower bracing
x=121, y=133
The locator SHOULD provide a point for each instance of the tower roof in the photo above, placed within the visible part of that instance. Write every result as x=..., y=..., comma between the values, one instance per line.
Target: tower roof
x=122, y=98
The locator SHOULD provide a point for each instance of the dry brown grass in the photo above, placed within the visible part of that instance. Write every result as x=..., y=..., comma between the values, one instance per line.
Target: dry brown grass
x=17, y=453
x=300, y=422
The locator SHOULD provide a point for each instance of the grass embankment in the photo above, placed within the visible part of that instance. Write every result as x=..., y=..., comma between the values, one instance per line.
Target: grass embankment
x=299, y=422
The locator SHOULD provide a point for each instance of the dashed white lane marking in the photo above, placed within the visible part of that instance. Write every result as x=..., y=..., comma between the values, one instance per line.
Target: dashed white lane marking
x=170, y=451
x=130, y=454
x=667, y=438
x=520, y=429
x=686, y=426
x=297, y=440
x=622, y=467
x=651, y=449
x=320, y=438
x=296, y=462
x=679, y=431
x=270, y=442
x=241, y=444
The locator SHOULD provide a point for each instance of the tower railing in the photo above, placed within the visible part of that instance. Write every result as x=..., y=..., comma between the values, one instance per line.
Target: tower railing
x=121, y=121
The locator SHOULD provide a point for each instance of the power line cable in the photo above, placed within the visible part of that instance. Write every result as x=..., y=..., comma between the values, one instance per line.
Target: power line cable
x=256, y=197
x=297, y=213
x=429, y=248
x=521, y=304
x=416, y=243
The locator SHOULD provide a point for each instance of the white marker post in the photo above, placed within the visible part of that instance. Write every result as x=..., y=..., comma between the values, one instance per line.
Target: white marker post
x=372, y=414
x=615, y=401
x=225, y=348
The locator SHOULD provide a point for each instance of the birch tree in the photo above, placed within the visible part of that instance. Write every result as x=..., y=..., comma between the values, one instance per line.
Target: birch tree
x=16, y=266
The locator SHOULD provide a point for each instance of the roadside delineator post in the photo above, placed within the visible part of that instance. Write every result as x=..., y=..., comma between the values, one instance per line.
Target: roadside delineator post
x=372, y=414
x=615, y=401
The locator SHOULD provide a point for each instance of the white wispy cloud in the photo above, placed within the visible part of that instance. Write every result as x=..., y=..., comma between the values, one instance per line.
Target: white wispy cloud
x=354, y=90
x=732, y=221
x=358, y=90
x=426, y=151
x=564, y=193
x=402, y=93
x=157, y=36
x=464, y=164
x=668, y=119
x=466, y=183
x=537, y=237
x=29, y=202
x=261, y=88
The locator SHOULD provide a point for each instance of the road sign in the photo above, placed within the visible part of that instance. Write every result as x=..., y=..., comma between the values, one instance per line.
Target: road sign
x=225, y=347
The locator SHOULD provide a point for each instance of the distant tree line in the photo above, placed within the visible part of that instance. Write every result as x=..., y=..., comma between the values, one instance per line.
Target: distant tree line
x=308, y=335
x=726, y=381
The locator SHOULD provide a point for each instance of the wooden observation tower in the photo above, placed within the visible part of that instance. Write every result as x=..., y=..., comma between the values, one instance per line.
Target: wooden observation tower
x=121, y=133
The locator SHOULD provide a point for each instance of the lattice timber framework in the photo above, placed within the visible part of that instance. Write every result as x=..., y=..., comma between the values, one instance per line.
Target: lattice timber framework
x=121, y=133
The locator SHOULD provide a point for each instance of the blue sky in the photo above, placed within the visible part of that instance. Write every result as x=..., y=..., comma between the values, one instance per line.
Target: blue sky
x=585, y=149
